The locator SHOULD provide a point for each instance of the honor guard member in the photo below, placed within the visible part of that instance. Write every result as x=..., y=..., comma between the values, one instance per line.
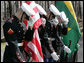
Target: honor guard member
x=61, y=28
x=42, y=34
x=50, y=51
x=47, y=48
x=51, y=32
x=55, y=30
x=30, y=31
x=41, y=29
x=14, y=35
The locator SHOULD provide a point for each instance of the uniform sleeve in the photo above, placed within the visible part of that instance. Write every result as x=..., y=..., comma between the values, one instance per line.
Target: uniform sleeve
x=11, y=39
x=41, y=31
x=49, y=47
x=64, y=30
x=48, y=43
x=9, y=33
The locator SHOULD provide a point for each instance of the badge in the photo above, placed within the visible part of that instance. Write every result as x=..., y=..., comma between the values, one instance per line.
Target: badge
x=10, y=31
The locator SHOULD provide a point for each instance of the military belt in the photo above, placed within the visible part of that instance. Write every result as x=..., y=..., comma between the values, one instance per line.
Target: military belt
x=51, y=39
x=19, y=44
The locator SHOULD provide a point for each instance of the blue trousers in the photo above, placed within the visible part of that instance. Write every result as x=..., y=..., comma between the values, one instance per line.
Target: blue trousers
x=48, y=60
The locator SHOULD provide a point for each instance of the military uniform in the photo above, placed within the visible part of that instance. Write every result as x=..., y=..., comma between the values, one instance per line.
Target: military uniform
x=13, y=33
x=47, y=47
x=53, y=32
x=57, y=33
x=58, y=44
x=42, y=35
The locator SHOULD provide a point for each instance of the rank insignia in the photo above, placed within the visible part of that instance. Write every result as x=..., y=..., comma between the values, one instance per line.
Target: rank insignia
x=10, y=31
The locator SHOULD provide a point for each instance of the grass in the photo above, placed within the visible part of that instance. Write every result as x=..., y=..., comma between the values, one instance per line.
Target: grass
x=82, y=34
x=3, y=45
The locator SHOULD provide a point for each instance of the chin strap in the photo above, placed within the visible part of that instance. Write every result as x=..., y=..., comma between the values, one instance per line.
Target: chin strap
x=22, y=16
x=26, y=17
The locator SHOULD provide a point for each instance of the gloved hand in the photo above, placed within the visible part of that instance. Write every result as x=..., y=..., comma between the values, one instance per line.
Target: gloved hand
x=43, y=20
x=30, y=22
x=67, y=49
x=41, y=10
x=55, y=56
x=27, y=9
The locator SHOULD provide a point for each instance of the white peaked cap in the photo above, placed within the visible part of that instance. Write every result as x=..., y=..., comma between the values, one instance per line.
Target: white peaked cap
x=63, y=16
x=27, y=9
x=41, y=10
x=54, y=10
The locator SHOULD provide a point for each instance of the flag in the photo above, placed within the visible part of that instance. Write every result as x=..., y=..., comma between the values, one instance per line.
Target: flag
x=36, y=17
x=26, y=24
x=34, y=46
x=74, y=33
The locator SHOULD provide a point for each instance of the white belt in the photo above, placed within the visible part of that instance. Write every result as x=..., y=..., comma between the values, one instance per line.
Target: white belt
x=51, y=39
x=19, y=44
x=6, y=44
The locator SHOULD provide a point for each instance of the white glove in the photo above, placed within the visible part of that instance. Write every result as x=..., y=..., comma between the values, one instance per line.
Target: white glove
x=55, y=56
x=64, y=18
x=30, y=22
x=27, y=9
x=67, y=49
x=66, y=22
x=24, y=61
x=56, y=21
x=41, y=10
x=43, y=20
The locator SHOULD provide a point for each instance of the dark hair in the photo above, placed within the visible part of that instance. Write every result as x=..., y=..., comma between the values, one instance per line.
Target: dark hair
x=43, y=16
x=52, y=15
x=26, y=16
